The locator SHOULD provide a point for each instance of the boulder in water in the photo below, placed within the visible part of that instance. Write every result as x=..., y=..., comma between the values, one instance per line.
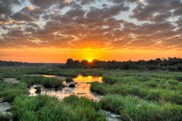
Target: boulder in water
x=5, y=106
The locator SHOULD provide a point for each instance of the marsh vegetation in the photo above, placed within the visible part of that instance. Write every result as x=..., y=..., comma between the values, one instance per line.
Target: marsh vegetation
x=134, y=95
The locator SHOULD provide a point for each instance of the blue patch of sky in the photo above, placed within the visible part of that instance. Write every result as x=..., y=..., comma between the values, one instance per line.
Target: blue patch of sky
x=126, y=15
x=16, y=8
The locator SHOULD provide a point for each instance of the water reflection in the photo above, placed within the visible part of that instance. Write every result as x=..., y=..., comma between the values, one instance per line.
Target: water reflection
x=32, y=90
x=86, y=79
x=82, y=88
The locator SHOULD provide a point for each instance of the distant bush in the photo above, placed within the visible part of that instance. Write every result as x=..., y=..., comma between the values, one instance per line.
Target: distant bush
x=170, y=64
x=85, y=109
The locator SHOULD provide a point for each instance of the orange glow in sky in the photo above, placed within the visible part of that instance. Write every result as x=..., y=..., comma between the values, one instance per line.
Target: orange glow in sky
x=51, y=31
x=56, y=55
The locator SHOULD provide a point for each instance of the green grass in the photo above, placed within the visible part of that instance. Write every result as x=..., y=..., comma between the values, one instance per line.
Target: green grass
x=46, y=82
x=86, y=109
x=5, y=117
x=150, y=86
x=136, y=109
x=69, y=79
x=135, y=95
x=10, y=92
x=45, y=108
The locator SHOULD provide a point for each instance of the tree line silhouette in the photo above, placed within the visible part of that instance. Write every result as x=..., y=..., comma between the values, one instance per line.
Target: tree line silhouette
x=14, y=63
x=172, y=64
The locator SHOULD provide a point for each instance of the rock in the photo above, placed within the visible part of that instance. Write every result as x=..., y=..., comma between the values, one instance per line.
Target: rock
x=112, y=116
x=5, y=106
x=38, y=89
x=71, y=85
x=1, y=100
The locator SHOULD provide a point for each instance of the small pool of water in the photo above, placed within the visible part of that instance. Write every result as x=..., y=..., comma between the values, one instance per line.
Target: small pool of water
x=82, y=88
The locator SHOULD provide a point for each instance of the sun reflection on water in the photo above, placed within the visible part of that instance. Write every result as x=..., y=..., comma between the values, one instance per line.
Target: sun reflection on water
x=81, y=78
x=81, y=89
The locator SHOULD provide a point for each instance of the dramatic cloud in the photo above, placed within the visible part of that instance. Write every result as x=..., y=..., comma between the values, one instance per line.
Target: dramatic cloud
x=154, y=24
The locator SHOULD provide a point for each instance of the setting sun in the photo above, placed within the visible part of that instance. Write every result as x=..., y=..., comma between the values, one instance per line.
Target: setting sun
x=90, y=60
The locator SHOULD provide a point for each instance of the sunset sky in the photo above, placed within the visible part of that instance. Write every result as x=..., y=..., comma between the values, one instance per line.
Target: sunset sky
x=54, y=30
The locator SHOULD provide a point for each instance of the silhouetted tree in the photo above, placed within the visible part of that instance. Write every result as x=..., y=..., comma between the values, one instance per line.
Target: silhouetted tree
x=172, y=64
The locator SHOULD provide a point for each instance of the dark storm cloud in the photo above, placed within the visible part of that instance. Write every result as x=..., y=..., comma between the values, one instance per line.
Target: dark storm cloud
x=84, y=23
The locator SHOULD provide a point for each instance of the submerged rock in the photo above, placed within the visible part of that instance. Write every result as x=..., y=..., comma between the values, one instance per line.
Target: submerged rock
x=72, y=84
x=112, y=116
x=5, y=106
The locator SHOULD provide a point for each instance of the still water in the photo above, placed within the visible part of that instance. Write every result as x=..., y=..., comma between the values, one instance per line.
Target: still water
x=82, y=88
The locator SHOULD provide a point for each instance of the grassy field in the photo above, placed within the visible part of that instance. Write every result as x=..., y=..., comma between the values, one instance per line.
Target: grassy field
x=135, y=95
x=142, y=96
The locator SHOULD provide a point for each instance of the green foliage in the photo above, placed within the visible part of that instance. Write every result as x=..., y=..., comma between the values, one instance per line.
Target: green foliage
x=9, y=91
x=38, y=89
x=179, y=78
x=46, y=82
x=45, y=108
x=133, y=108
x=5, y=117
x=160, y=87
x=69, y=79
x=86, y=109
x=99, y=88
x=108, y=80
x=135, y=95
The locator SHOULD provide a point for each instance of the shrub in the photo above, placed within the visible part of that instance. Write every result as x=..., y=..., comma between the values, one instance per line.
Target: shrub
x=46, y=82
x=108, y=80
x=99, y=88
x=179, y=78
x=69, y=79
